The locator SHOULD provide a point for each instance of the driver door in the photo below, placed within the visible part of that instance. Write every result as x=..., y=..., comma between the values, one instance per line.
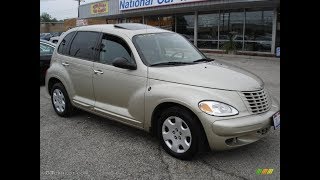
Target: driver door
x=119, y=93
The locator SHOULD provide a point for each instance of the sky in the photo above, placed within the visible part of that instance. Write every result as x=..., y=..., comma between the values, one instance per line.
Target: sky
x=61, y=9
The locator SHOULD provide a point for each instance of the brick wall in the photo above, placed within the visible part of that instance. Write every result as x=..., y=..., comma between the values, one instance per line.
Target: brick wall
x=51, y=27
x=67, y=24
x=71, y=23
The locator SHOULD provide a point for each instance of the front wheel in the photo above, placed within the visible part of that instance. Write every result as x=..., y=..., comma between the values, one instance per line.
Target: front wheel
x=179, y=133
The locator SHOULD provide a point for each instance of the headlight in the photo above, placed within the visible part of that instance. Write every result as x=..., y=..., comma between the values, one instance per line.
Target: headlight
x=217, y=108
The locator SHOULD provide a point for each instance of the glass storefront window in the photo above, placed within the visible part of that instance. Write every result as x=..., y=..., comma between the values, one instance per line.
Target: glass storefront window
x=164, y=22
x=112, y=21
x=134, y=20
x=152, y=21
x=208, y=31
x=258, y=31
x=122, y=20
x=185, y=26
x=167, y=22
x=231, y=22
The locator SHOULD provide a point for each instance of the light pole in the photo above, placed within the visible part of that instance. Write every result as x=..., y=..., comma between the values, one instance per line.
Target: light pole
x=79, y=6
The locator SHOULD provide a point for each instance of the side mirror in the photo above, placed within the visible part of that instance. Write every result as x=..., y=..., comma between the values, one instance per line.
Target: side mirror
x=122, y=62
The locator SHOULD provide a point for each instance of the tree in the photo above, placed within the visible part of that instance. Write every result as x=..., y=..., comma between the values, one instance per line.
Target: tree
x=45, y=17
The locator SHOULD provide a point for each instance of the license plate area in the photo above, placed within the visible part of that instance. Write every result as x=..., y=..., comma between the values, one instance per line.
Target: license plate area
x=276, y=120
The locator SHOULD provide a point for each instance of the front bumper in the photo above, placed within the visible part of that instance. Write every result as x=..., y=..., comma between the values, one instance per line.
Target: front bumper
x=235, y=131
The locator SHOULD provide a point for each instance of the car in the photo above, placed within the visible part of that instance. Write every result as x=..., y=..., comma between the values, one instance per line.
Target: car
x=264, y=42
x=156, y=80
x=45, y=36
x=46, y=50
x=236, y=38
x=55, y=39
x=55, y=34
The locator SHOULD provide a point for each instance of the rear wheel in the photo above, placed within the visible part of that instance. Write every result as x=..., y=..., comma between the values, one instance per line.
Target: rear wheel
x=60, y=100
x=179, y=133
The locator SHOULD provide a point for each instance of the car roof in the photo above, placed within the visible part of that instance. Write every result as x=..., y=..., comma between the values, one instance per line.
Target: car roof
x=129, y=29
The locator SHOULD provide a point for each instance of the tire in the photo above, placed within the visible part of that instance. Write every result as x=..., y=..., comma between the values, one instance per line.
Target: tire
x=60, y=101
x=179, y=137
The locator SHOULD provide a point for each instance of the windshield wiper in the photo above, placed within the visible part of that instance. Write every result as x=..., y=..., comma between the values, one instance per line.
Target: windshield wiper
x=204, y=60
x=170, y=63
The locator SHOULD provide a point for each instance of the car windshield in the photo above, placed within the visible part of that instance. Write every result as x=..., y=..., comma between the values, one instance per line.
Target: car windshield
x=166, y=48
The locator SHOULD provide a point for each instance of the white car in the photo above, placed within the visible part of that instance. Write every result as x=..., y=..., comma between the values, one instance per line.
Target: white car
x=55, y=39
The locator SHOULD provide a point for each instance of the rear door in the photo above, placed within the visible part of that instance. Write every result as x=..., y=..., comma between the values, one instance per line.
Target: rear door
x=79, y=65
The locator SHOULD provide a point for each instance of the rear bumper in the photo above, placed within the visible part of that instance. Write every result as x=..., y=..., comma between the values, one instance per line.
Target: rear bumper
x=235, y=132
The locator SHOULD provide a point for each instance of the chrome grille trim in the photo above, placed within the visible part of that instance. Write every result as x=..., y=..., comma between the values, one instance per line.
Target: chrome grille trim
x=256, y=101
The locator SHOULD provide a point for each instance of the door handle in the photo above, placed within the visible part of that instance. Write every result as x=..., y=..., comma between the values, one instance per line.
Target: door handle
x=65, y=64
x=97, y=71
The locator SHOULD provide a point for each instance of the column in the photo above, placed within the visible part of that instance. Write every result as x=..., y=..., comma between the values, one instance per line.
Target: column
x=274, y=31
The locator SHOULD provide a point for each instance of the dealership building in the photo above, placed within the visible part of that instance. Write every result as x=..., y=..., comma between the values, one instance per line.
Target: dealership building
x=254, y=24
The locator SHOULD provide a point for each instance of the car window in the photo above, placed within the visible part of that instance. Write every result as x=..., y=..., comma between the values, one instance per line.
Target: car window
x=157, y=48
x=83, y=45
x=112, y=47
x=46, y=49
x=64, y=43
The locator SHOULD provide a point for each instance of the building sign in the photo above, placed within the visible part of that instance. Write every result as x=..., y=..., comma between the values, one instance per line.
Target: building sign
x=135, y=4
x=82, y=22
x=99, y=7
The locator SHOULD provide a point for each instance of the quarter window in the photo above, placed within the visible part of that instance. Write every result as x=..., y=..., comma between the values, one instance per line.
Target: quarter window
x=83, y=45
x=112, y=47
x=62, y=49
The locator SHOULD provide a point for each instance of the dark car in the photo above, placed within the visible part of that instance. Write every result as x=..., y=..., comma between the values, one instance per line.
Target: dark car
x=45, y=36
x=55, y=34
x=46, y=50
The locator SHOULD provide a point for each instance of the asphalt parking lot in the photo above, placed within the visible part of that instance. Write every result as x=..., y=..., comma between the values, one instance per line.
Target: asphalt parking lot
x=86, y=146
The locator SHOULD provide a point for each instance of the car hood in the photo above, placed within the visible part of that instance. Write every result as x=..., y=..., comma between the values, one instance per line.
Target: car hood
x=215, y=74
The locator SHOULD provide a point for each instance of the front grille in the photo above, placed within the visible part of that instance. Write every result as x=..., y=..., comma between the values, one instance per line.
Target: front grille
x=256, y=101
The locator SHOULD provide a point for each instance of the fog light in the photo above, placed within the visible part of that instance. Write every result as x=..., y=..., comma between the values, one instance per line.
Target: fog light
x=235, y=140
x=232, y=141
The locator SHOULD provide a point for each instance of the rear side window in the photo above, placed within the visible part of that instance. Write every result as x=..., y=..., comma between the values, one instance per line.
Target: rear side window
x=83, y=45
x=112, y=47
x=62, y=49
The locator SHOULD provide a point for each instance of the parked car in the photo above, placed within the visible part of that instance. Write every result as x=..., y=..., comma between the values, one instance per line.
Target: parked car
x=264, y=42
x=156, y=80
x=56, y=38
x=55, y=34
x=45, y=36
x=46, y=50
x=236, y=38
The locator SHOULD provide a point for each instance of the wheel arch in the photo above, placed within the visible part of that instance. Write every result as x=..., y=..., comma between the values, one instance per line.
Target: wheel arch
x=53, y=80
x=165, y=105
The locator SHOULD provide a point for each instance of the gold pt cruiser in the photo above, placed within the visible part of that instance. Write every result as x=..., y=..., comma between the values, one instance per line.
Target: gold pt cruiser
x=157, y=81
